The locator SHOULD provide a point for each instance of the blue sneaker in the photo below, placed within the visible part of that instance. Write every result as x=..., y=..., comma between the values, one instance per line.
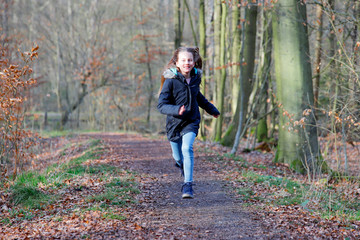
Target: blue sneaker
x=181, y=167
x=187, y=190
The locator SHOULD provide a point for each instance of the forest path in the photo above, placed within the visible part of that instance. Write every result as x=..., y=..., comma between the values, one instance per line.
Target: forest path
x=161, y=213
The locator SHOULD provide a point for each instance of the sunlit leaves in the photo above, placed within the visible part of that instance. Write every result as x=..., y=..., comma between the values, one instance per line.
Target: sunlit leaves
x=14, y=82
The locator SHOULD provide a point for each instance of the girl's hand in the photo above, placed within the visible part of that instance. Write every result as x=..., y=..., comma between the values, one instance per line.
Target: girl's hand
x=182, y=110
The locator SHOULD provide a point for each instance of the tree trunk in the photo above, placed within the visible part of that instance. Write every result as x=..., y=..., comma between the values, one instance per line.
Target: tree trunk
x=177, y=24
x=191, y=23
x=217, y=61
x=222, y=79
x=66, y=114
x=264, y=76
x=354, y=80
x=235, y=56
x=294, y=87
x=202, y=46
x=148, y=67
x=318, y=49
x=247, y=63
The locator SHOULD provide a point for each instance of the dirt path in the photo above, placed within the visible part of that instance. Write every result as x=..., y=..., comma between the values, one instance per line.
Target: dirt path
x=162, y=213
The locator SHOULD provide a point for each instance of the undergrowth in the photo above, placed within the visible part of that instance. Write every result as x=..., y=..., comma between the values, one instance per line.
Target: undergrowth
x=37, y=190
x=254, y=183
x=328, y=200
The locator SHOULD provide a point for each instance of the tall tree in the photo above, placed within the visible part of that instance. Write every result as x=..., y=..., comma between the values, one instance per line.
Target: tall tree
x=217, y=58
x=318, y=49
x=264, y=75
x=148, y=65
x=299, y=146
x=191, y=23
x=247, y=62
x=235, y=55
x=222, y=70
x=202, y=46
x=177, y=24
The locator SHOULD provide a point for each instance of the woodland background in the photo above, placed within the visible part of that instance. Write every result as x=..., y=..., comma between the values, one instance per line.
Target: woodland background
x=283, y=73
x=96, y=65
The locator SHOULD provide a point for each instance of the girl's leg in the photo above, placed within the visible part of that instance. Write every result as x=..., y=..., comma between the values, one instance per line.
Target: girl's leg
x=176, y=151
x=188, y=155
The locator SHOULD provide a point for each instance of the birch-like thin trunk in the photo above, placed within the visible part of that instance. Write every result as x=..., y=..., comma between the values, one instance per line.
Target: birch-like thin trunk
x=177, y=24
x=222, y=79
x=235, y=56
x=318, y=49
x=247, y=63
x=202, y=46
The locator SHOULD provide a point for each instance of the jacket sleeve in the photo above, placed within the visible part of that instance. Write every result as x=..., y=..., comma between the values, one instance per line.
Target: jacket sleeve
x=206, y=105
x=166, y=100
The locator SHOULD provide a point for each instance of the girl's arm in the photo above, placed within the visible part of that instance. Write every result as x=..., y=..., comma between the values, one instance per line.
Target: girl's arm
x=207, y=106
x=166, y=100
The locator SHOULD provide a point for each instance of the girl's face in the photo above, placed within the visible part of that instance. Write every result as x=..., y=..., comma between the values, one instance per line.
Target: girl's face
x=185, y=63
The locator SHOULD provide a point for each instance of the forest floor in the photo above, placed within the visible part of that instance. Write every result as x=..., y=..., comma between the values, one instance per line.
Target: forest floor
x=127, y=187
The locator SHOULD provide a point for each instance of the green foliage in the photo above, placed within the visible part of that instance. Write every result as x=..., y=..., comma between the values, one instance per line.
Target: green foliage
x=25, y=190
x=114, y=216
x=261, y=133
x=327, y=200
x=246, y=193
x=285, y=191
x=28, y=196
x=30, y=190
x=228, y=139
x=118, y=192
x=56, y=133
x=31, y=178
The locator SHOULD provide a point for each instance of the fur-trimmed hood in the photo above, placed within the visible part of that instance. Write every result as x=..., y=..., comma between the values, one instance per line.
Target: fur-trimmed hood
x=173, y=73
x=176, y=92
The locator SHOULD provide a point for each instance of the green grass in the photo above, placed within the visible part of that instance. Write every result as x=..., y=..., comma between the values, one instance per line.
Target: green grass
x=29, y=197
x=55, y=133
x=292, y=190
x=118, y=192
x=25, y=190
x=327, y=200
x=31, y=178
x=338, y=204
x=31, y=189
x=246, y=193
x=114, y=216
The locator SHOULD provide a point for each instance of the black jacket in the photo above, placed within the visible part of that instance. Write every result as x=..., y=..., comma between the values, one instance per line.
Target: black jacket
x=176, y=93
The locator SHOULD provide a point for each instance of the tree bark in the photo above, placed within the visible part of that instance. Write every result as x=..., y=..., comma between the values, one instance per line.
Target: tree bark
x=217, y=61
x=235, y=56
x=294, y=87
x=318, y=49
x=264, y=76
x=191, y=23
x=177, y=24
x=222, y=79
x=148, y=67
x=247, y=62
x=202, y=46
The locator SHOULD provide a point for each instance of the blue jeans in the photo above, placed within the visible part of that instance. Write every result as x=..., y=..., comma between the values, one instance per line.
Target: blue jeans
x=183, y=154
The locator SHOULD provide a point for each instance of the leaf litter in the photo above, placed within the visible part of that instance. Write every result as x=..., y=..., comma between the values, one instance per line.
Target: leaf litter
x=80, y=207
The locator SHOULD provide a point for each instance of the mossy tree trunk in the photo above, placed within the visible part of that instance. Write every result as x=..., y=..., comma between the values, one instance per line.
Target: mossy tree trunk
x=222, y=70
x=318, y=49
x=202, y=46
x=247, y=62
x=297, y=146
x=177, y=24
x=235, y=56
x=264, y=76
x=217, y=61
